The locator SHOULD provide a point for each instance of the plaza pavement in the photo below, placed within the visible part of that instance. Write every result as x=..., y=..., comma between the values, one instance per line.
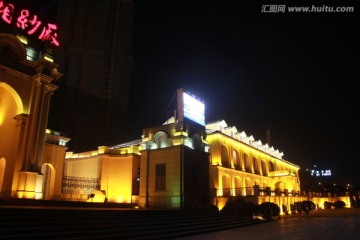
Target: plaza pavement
x=342, y=224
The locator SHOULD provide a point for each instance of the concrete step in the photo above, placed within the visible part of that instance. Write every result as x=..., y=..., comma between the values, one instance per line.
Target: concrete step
x=60, y=223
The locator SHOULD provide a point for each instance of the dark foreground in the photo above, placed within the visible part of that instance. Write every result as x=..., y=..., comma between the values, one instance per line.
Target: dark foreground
x=54, y=220
x=84, y=222
x=335, y=224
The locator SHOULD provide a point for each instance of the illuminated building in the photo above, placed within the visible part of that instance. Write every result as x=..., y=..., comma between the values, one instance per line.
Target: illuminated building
x=28, y=155
x=92, y=44
x=113, y=171
x=183, y=163
x=242, y=166
x=186, y=164
x=168, y=165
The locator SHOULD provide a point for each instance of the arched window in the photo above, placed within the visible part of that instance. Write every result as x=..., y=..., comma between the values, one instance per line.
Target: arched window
x=160, y=139
x=271, y=166
x=247, y=163
x=225, y=162
x=226, y=185
x=237, y=187
x=256, y=166
x=241, y=161
x=236, y=160
x=249, y=187
x=264, y=168
x=48, y=185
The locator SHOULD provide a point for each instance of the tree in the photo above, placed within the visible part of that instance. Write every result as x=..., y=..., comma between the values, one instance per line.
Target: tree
x=339, y=204
x=239, y=206
x=268, y=210
x=307, y=206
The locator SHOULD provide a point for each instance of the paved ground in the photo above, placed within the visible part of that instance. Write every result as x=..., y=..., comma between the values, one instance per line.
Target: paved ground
x=342, y=224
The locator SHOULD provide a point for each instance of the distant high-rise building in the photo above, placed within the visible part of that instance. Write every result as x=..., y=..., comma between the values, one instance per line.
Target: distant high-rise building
x=268, y=137
x=95, y=55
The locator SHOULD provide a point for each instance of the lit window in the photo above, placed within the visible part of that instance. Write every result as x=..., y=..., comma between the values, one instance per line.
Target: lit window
x=160, y=174
x=31, y=54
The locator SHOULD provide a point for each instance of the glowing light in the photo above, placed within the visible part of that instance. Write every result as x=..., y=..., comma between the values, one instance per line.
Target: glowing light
x=120, y=199
x=194, y=109
x=320, y=173
x=48, y=58
x=22, y=39
x=123, y=151
x=2, y=116
x=181, y=133
x=97, y=196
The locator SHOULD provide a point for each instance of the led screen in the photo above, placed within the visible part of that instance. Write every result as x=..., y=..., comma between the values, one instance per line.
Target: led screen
x=320, y=173
x=194, y=109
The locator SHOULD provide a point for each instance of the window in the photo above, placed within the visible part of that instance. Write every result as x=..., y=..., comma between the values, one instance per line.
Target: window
x=236, y=160
x=160, y=138
x=224, y=157
x=197, y=142
x=247, y=163
x=160, y=184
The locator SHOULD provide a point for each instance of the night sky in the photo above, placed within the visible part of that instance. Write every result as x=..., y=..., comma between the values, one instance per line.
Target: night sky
x=293, y=73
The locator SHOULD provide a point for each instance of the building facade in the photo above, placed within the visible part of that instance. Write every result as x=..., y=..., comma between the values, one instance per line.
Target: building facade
x=27, y=151
x=182, y=166
x=242, y=166
x=166, y=168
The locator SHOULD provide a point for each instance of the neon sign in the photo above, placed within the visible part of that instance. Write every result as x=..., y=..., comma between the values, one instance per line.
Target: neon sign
x=29, y=23
x=320, y=173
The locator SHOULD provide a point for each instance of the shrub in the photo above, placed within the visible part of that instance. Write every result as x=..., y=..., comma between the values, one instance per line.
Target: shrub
x=339, y=204
x=239, y=206
x=328, y=205
x=297, y=207
x=229, y=206
x=307, y=206
x=268, y=210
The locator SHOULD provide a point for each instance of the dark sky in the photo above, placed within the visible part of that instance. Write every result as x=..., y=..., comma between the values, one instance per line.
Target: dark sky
x=293, y=73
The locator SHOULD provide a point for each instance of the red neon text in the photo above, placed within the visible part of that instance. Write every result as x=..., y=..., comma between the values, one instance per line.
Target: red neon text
x=29, y=23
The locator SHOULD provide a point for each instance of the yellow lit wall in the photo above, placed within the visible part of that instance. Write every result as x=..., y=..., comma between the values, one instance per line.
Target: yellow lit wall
x=170, y=198
x=25, y=92
x=9, y=108
x=241, y=181
x=87, y=167
x=54, y=156
x=117, y=176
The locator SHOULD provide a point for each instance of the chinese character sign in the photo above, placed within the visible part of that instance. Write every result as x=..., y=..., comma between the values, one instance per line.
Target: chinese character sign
x=320, y=173
x=29, y=23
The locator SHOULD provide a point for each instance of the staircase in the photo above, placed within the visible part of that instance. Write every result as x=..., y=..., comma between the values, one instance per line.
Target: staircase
x=111, y=223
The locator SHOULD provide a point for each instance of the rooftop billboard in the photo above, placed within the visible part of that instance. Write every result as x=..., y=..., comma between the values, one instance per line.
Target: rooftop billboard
x=190, y=107
x=194, y=109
